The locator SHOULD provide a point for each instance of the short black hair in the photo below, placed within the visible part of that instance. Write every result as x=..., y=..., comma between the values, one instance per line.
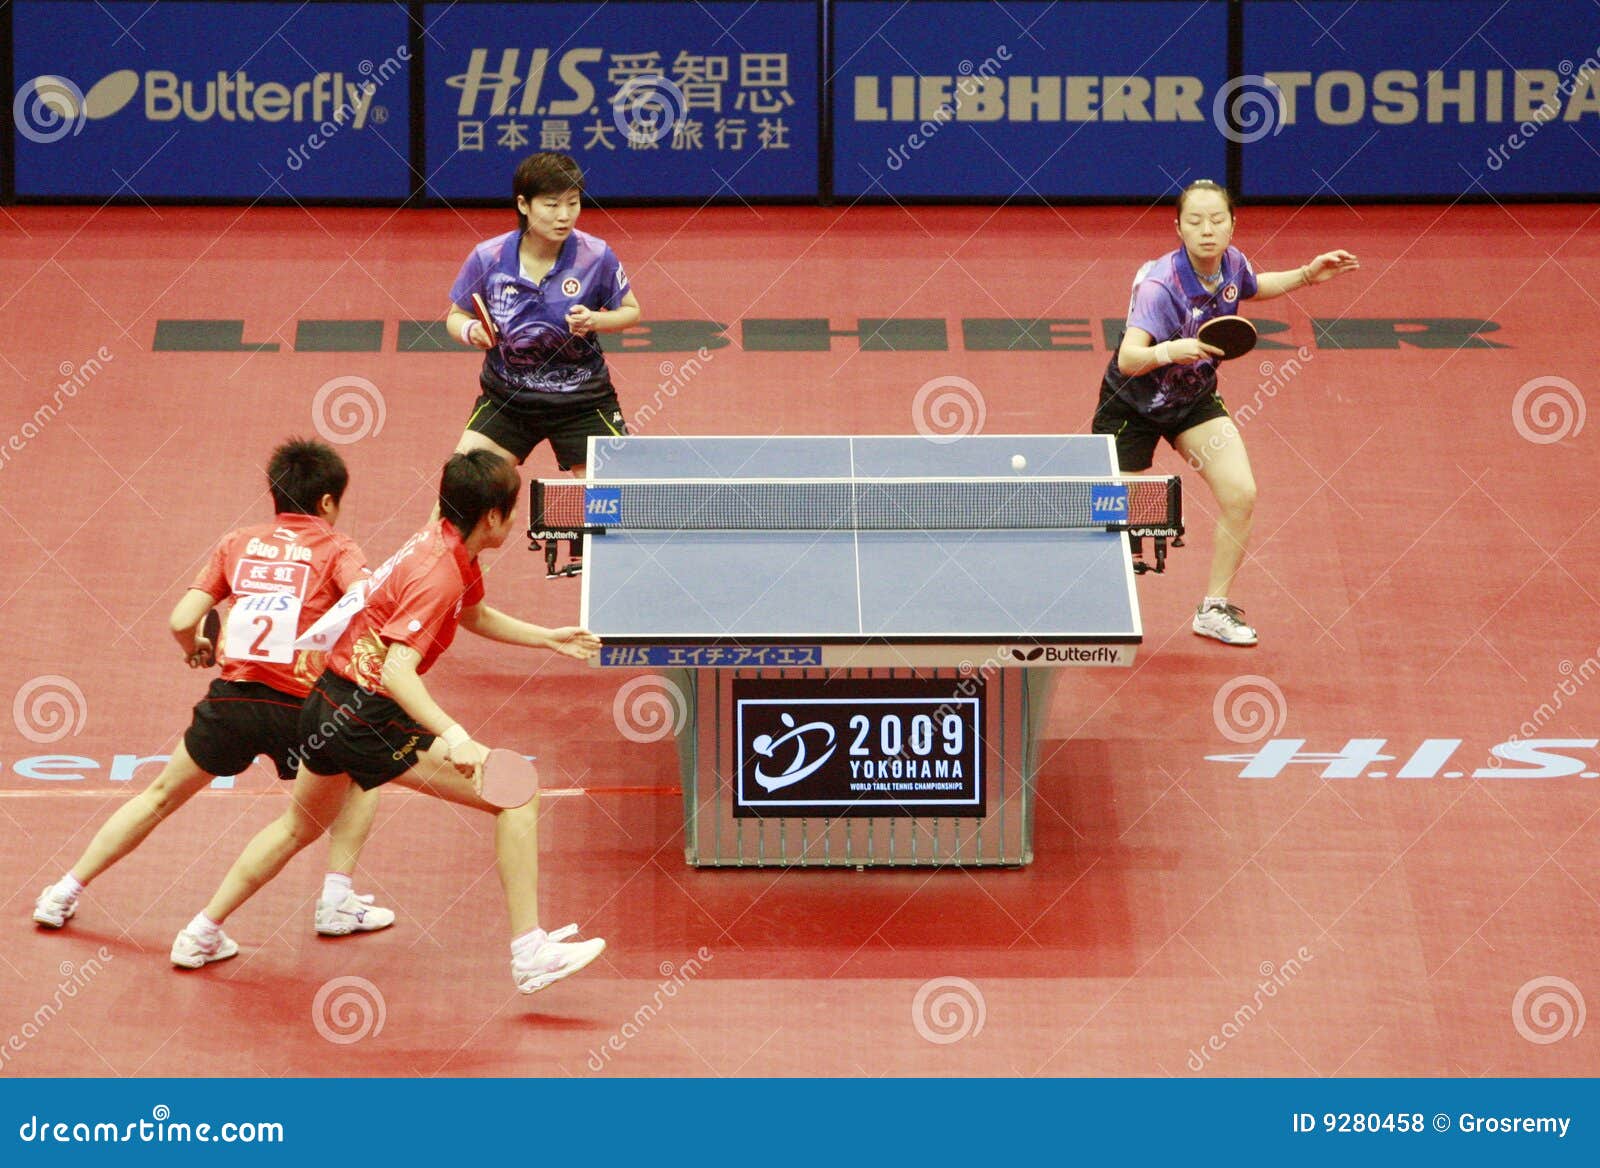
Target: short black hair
x=1205, y=184
x=301, y=471
x=475, y=484
x=545, y=174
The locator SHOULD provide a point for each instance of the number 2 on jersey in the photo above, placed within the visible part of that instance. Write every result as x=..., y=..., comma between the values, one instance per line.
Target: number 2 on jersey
x=263, y=627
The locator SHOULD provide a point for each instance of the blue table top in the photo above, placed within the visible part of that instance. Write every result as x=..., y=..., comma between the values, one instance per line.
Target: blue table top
x=945, y=586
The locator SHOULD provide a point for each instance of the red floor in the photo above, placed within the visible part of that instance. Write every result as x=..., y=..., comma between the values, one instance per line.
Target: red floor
x=1422, y=571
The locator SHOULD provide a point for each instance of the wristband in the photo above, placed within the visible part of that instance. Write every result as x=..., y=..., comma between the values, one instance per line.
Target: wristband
x=466, y=332
x=1305, y=275
x=1164, y=353
x=455, y=736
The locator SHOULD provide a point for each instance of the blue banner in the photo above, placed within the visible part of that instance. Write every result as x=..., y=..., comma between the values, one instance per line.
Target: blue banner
x=953, y=99
x=1139, y=1121
x=654, y=100
x=1419, y=98
x=184, y=100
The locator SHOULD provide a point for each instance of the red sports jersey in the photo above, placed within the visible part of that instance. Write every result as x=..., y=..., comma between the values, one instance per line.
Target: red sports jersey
x=415, y=599
x=282, y=576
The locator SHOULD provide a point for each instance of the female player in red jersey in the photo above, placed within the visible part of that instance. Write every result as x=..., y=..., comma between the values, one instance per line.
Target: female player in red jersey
x=1162, y=381
x=281, y=576
x=370, y=720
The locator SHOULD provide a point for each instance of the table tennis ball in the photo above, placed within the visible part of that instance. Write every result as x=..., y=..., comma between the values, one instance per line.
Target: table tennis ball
x=1018, y=462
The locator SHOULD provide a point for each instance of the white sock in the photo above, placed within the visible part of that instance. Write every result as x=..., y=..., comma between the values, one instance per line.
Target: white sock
x=527, y=943
x=204, y=927
x=1214, y=602
x=67, y=888
x=335, y=887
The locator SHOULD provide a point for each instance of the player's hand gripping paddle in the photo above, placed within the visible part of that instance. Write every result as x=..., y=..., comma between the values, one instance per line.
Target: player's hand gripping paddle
x=480, y=309
x=210, y=631
x=1234, y=335
x=507, y=779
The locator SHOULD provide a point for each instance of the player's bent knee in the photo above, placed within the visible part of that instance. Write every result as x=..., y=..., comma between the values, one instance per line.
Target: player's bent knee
x=523, y=821
x=302, y=829
x=170, y=792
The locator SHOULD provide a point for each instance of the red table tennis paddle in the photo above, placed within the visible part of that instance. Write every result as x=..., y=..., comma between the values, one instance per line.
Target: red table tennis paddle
x=507, y=779
x=1234, y=335
x=480, y=309
x=211, y=630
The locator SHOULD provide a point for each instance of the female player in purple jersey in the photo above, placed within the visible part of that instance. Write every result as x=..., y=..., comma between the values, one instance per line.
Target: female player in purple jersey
x=1162, y=382
x=550, y=288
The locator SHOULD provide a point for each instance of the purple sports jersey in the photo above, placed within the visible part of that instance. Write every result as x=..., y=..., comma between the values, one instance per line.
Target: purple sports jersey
x=1170, y=303
x=537, y=354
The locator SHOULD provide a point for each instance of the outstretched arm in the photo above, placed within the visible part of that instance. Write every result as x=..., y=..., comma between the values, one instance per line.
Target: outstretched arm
x=1319, y=271
x=498, y=626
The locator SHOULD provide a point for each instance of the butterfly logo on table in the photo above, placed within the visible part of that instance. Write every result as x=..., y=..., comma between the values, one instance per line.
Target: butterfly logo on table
x=1024, y=653
x=801, y=764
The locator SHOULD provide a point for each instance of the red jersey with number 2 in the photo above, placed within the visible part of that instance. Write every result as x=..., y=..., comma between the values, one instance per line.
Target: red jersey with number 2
x=281, y=577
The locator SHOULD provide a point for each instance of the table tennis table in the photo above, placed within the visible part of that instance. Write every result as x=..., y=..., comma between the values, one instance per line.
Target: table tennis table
x=850, y=690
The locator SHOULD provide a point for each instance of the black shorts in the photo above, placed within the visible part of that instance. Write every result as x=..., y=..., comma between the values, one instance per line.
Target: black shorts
x=568, y=425
x=1137, y=434
x=238, y=720
x=352, y=731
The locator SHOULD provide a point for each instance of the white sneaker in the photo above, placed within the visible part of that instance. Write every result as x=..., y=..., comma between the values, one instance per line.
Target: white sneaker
x=53, y=911
x=554, y=960
x=190, y=952
x=1225, y=623
x=357, y=914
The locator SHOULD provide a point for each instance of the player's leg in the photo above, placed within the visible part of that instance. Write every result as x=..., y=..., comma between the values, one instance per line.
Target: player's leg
x=314, y=805
x=230, y=726
x=1216, y=449
x=340, y=909
x=570, y=433
x=538, y=958
x=1135, y=436
x=125, y=830
x=569, y=430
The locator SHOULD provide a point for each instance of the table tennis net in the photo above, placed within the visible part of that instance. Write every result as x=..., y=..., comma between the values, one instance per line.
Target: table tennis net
x=1147, y=504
